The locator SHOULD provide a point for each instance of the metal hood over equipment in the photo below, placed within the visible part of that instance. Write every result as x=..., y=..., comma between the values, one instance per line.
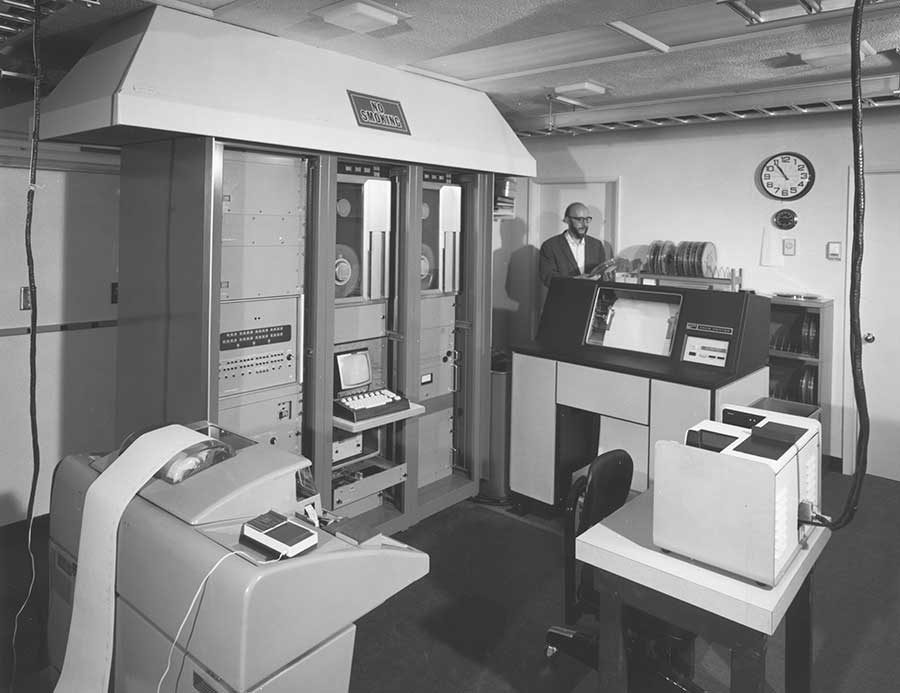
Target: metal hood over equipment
x=164, y=70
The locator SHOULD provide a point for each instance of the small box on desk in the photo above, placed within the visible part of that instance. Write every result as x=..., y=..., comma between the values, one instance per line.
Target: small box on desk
x=279, y=534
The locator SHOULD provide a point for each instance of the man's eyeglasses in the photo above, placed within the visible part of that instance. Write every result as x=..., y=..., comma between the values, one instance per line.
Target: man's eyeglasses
x=583, y=220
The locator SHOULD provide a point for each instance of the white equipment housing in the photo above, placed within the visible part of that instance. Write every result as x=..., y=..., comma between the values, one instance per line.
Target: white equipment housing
x=729, y=496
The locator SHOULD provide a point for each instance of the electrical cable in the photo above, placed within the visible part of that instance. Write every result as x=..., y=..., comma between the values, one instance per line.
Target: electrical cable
x=856, y=260
x=32, y=349
x=194, y=602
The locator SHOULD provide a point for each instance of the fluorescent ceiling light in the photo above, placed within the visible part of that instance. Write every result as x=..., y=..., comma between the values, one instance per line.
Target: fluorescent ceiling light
x=580, y=89
x=360, y=17
x=635, y=33
x=569, y=100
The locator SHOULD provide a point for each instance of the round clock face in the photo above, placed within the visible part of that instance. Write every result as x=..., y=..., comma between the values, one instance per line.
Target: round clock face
x=786, y=176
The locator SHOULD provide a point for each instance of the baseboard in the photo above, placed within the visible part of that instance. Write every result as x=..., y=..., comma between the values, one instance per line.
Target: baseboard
x=832, y=464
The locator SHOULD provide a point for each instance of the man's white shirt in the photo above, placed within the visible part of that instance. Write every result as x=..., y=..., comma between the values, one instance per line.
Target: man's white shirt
x=577, y=247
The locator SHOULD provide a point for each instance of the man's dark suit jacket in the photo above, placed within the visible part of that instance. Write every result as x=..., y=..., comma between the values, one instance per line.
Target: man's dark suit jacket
x=556, y=259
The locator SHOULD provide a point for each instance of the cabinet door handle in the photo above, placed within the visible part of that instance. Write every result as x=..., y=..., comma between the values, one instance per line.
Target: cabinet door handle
x=868, y=337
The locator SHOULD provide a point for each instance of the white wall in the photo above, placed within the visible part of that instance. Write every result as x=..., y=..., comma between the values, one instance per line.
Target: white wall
x=74, y=239
x=697, y=183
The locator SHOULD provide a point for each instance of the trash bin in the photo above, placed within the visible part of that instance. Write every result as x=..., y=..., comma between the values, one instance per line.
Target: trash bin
x=784, y=406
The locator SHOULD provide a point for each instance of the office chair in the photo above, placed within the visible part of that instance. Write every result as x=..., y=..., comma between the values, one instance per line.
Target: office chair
x=656, y=650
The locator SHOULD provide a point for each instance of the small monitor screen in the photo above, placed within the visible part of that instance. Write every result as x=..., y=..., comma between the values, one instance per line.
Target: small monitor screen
x=641, y=321
x=352, y=369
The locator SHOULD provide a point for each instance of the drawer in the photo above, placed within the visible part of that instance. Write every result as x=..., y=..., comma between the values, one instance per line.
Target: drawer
x=604, y=392
x=365, y=478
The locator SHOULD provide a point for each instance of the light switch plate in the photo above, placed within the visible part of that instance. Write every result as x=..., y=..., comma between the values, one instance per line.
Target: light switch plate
x=788, y=246
x=833, y=250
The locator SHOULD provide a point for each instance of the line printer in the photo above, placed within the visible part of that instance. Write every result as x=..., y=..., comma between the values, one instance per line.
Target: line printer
x=259, y=626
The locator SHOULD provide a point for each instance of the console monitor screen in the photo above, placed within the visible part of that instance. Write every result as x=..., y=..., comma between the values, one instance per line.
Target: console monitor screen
x=352, y=369
x=640, y=321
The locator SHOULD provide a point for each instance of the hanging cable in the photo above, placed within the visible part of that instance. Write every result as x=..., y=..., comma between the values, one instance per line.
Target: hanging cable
x=32, y=350
x=856, y=260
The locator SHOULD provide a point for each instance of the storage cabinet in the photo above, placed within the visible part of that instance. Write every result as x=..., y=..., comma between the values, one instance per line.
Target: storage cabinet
x=800, y=339
x=532, y=442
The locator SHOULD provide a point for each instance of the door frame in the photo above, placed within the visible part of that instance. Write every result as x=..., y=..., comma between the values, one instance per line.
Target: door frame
x=613, y=218
x=612, y=223
x=850, y=416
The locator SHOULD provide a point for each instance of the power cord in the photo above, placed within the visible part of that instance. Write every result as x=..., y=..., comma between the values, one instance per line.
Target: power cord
x=32, y=351
x=194, y=603
x=856, y=260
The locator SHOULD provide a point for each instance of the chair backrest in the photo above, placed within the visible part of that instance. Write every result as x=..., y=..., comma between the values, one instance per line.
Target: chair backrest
x=608, y=484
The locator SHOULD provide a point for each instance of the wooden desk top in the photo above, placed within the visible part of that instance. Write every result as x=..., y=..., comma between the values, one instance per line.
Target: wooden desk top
x=622, y=545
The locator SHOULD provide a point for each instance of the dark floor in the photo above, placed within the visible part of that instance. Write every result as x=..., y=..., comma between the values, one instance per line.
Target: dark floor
x=477, y=621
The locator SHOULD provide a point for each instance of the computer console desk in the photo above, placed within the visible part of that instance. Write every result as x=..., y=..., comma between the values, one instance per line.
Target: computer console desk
x=623, y=366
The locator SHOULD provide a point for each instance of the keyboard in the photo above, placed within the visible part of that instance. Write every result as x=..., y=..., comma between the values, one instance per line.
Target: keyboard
x=368, y=405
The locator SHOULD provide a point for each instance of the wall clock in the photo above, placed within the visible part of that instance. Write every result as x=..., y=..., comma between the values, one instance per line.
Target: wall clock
x=786, y=176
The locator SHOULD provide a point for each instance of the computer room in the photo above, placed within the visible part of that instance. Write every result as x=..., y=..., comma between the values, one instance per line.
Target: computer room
x=533, y=346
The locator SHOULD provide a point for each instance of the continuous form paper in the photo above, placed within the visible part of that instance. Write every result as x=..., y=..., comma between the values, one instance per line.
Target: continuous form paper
x=86, y=666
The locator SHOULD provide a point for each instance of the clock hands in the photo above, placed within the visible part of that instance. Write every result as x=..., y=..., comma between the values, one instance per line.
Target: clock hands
x=781, y=171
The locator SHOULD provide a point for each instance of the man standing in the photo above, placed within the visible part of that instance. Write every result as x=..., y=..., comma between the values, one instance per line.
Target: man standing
x=573, y=252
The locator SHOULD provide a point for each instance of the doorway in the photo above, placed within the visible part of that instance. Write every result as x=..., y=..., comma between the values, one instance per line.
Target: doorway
x=548, y=199
x=879, y=325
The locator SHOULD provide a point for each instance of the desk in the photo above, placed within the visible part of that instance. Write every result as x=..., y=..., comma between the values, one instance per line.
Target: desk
x=721, y=608
x=562, y=414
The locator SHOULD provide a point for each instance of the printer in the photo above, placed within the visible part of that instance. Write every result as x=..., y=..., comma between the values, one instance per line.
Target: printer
x=731, y=495
x=260, y=624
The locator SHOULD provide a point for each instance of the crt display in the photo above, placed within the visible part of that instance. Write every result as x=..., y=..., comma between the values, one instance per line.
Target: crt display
x=641, y=321
x=352, y=369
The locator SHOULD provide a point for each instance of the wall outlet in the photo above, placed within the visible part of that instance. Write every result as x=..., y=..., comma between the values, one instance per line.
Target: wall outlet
x=833, y=250
x=24, y=298
x=788, y=246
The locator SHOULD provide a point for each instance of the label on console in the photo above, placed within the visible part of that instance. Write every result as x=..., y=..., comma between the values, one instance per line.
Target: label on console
x=713, y=329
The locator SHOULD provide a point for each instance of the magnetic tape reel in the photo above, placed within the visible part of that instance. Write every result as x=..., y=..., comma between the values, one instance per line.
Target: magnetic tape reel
x=346, y=271
x=427, y=268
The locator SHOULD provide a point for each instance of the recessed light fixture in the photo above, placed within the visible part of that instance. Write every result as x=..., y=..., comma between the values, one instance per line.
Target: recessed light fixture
x=360, y=17
x=580, y=90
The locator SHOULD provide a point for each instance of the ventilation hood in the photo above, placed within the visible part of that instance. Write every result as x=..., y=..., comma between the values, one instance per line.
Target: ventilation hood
x=169, y=71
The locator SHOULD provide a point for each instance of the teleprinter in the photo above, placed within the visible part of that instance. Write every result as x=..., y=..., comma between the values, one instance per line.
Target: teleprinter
x=732, y=494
